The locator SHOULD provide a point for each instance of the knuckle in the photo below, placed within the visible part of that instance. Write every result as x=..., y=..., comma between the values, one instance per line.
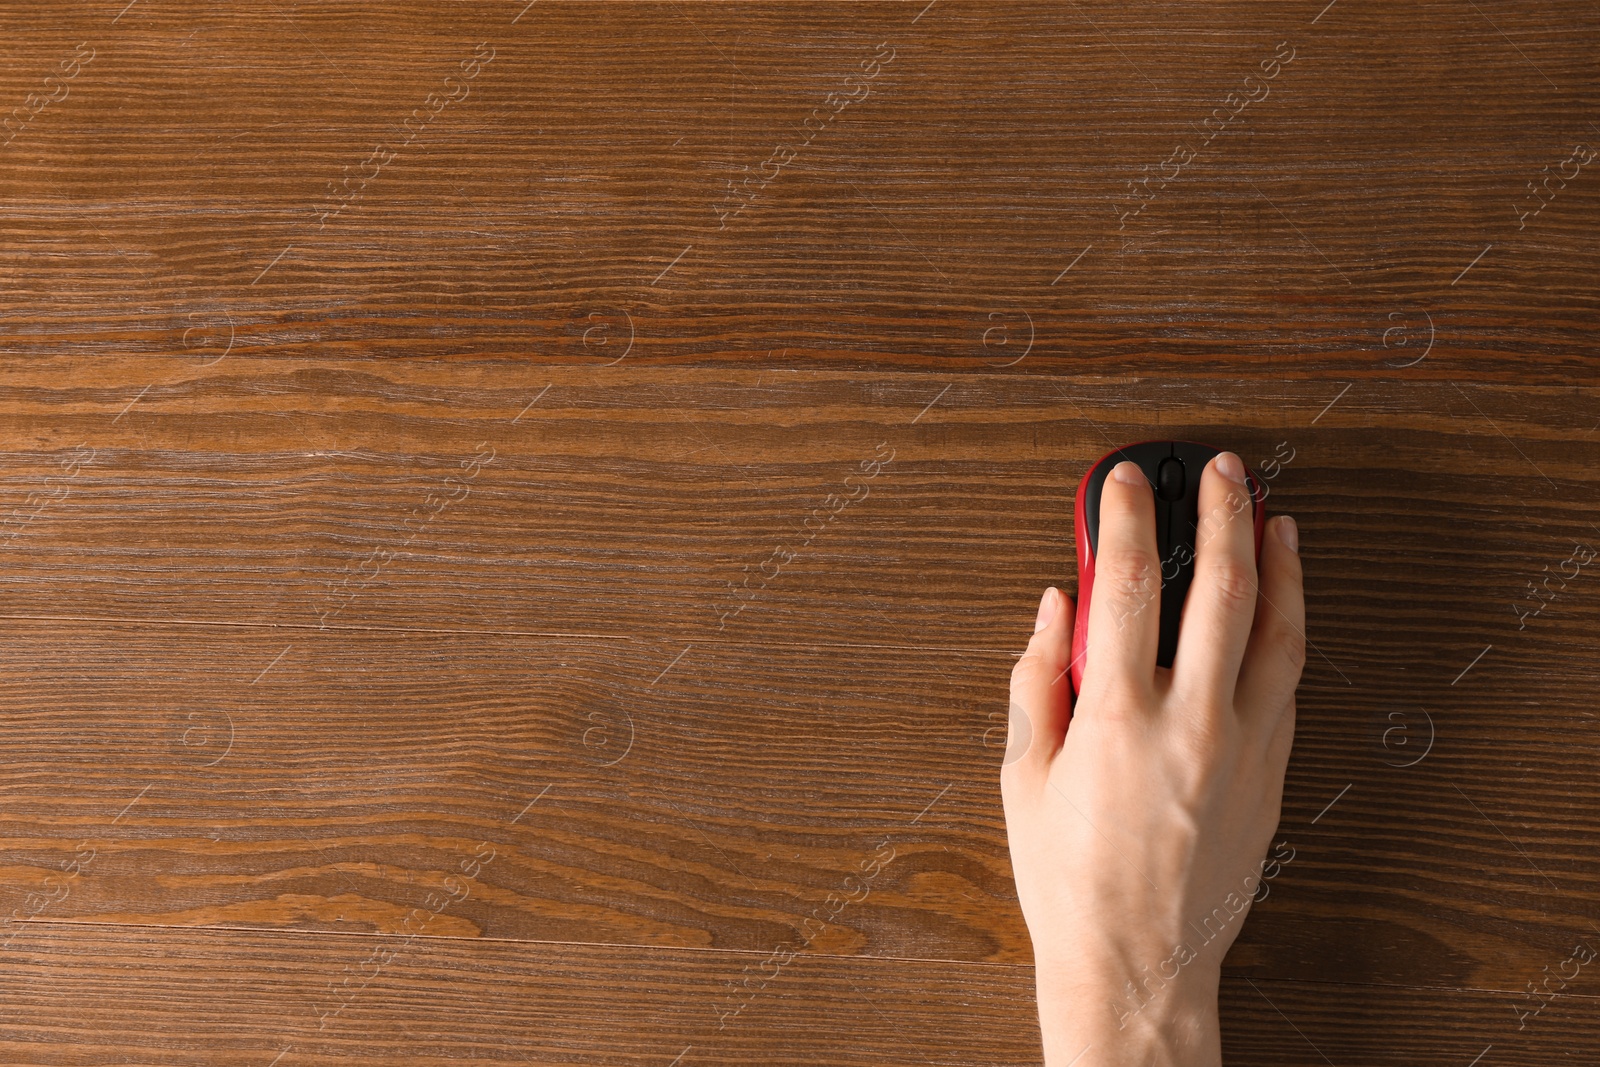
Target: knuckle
x=1234, y=583
x=1130, y=575
x=1291, y=644
x=1116, y=696
x=1125, y=698
x=1028, y=668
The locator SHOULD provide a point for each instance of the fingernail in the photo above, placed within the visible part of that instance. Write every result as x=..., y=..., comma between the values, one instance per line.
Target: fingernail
x=1049, y=604
x=1128, y=471
x=1289, y=533
x=1230, y=467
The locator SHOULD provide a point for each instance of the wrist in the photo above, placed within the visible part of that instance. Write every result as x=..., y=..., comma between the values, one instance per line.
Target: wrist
x=1113, y=1015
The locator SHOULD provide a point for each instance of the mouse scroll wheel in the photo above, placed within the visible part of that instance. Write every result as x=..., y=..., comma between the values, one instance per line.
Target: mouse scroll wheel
x=1170, y=479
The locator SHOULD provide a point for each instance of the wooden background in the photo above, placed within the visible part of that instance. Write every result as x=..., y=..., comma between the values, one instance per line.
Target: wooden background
x=433, y=633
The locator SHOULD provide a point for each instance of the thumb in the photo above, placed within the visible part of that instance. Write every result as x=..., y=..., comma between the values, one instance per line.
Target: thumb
x=1041, y=691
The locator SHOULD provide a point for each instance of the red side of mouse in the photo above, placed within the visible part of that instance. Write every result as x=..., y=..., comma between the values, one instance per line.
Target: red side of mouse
x=1080, y=629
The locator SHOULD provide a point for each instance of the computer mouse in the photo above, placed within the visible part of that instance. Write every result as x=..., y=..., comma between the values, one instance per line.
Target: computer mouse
x=1173, y=468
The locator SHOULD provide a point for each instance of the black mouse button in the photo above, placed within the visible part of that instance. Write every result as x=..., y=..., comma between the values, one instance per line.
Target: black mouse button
x=1169, y=479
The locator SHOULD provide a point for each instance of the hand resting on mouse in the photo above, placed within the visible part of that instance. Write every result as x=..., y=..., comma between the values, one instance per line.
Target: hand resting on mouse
x=1139, y=834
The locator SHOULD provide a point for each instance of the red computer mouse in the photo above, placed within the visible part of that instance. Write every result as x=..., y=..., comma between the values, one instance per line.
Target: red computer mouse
x=1173, y=468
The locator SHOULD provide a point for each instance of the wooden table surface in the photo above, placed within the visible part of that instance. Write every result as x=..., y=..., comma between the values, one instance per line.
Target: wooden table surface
x=508, y=507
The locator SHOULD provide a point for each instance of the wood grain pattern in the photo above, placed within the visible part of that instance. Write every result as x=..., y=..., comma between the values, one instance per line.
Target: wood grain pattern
x=335, y=779
x=310, y=471
x=452, y=457
x=179, y=996
x=994, y=148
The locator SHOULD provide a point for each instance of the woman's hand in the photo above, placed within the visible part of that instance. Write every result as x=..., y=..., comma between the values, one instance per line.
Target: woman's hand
x=1139, y=836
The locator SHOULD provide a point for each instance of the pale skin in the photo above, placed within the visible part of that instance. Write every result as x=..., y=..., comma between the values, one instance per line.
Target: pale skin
x=1139, y=835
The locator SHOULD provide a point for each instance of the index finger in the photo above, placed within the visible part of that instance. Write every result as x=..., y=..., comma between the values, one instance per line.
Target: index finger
x=1125, y=599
